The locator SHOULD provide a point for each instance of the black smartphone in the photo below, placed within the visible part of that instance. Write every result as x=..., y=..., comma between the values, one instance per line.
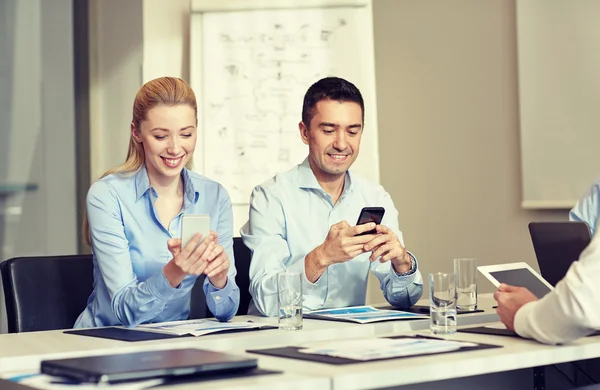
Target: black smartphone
x=370, y=214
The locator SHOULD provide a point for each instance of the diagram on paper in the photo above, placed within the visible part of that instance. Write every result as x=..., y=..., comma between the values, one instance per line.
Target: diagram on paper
x=257, y=65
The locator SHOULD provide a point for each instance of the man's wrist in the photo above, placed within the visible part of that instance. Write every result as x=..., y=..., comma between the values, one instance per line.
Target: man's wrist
x=406, y=268
x=317, y=258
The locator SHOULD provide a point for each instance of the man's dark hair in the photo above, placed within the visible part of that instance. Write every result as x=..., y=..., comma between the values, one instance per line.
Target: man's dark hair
x=330, y=88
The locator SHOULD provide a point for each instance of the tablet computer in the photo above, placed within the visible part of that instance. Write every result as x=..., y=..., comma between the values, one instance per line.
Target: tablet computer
x=146, y=365
x=517, y=274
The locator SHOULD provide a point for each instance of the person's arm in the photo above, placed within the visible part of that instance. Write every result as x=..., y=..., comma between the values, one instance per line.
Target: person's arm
x=586, y=210
x=223, y=303
x=571, y=310
x=399, y=291
x=133, y=302
x=265, y=235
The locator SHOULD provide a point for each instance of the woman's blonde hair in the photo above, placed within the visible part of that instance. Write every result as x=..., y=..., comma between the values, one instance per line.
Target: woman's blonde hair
x=168, y=91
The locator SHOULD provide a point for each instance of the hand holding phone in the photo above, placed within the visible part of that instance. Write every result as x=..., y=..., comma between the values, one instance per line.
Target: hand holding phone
x=192, y=261
x=370, y=214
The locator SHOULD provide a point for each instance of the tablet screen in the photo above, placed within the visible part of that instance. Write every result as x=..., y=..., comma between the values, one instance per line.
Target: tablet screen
x=522, y=277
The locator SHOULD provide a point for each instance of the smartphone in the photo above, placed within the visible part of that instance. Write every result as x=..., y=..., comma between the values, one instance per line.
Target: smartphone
x=192, y=224
x=370, y=214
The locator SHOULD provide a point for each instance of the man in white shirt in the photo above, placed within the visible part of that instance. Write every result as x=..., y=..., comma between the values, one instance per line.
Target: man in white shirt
x=301, y=220
x=563, y=315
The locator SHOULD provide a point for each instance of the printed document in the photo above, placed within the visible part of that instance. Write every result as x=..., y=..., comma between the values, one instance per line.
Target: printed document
x=363, y=314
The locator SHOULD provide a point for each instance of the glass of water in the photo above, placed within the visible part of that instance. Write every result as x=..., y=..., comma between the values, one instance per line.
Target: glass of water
x=442, y=303
x=465, y=274
x=289, y=300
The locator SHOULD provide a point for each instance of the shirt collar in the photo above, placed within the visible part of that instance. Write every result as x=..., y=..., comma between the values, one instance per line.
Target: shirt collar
x=142, y=185
x=307, y=178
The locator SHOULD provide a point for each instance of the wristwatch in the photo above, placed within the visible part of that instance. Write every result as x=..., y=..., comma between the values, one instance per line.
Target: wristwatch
x=413, y=266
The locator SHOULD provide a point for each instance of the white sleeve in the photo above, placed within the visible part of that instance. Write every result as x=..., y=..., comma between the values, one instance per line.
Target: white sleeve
x=571, y=310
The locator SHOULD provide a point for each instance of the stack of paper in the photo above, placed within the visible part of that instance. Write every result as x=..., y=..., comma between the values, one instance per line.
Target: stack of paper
x=197, y=327
x=381, y=348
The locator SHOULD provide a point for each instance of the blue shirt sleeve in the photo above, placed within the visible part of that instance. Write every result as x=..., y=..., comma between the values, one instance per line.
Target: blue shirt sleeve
x=133, y=302
x=586, y=210
x=224, y=303
x=399, y=291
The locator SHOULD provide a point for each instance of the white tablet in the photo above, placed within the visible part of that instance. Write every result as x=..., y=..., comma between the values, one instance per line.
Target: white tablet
x=517, y=274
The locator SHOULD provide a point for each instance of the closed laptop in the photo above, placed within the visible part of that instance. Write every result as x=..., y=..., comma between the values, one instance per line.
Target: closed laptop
x=145, y=365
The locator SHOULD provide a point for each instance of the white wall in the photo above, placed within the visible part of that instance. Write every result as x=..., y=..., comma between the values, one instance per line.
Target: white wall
x=166, y=32
x=116, y=52
x=131, y=42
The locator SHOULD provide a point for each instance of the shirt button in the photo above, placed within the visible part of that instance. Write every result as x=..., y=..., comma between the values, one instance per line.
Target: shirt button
x=218, y=298
x=173, y=232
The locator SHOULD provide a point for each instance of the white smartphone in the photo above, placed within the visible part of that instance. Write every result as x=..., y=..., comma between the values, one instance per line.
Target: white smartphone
x=192, y=224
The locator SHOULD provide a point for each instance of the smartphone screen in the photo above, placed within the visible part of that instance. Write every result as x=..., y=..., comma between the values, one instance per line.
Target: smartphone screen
x=192, y=224
x=370, y=214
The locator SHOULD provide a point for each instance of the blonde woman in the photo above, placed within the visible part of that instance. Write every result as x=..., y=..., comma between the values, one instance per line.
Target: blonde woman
x=141, y=271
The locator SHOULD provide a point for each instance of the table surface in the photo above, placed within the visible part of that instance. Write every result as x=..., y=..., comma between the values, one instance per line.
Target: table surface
x=24, y=351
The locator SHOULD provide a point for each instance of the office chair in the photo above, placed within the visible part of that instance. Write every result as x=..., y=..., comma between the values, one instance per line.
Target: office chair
x=46, y=292
x=242, y=254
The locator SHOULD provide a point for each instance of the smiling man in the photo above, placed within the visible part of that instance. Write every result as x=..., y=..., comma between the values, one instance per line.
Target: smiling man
x=301, y=220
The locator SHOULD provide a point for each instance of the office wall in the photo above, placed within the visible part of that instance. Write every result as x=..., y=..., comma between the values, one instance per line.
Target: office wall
x=131, y=42
x=448, y=130
x=115, y=76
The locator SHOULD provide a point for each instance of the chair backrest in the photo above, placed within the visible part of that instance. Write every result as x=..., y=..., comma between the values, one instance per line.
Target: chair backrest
x=46, y=293
x=243, y=255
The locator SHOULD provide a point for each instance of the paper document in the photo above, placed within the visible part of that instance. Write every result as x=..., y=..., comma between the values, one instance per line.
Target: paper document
x=499, y=325
x=380, y=348
x=43, y=381
x=363, y=314
x=197, y=327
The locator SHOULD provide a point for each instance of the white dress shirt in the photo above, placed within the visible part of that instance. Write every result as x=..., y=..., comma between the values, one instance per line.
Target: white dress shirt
x=572, y=309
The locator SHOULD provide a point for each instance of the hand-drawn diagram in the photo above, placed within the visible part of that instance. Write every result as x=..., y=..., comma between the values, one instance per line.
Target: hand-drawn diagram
x=257, y=65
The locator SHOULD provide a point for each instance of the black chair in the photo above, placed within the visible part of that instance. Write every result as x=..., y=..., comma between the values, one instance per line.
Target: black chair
x=243, y=255
x=46, y=293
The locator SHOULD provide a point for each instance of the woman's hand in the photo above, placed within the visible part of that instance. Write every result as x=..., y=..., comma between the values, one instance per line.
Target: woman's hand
x=191, y=260
x=218, y=267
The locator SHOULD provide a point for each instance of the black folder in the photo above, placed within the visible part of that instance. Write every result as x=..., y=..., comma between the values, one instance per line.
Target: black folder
x=124, y=334
x=293, y=353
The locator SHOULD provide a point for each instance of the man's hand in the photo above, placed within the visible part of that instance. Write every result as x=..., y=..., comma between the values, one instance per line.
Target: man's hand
x=386, y=245
x=342, y=244
x=510, y=299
